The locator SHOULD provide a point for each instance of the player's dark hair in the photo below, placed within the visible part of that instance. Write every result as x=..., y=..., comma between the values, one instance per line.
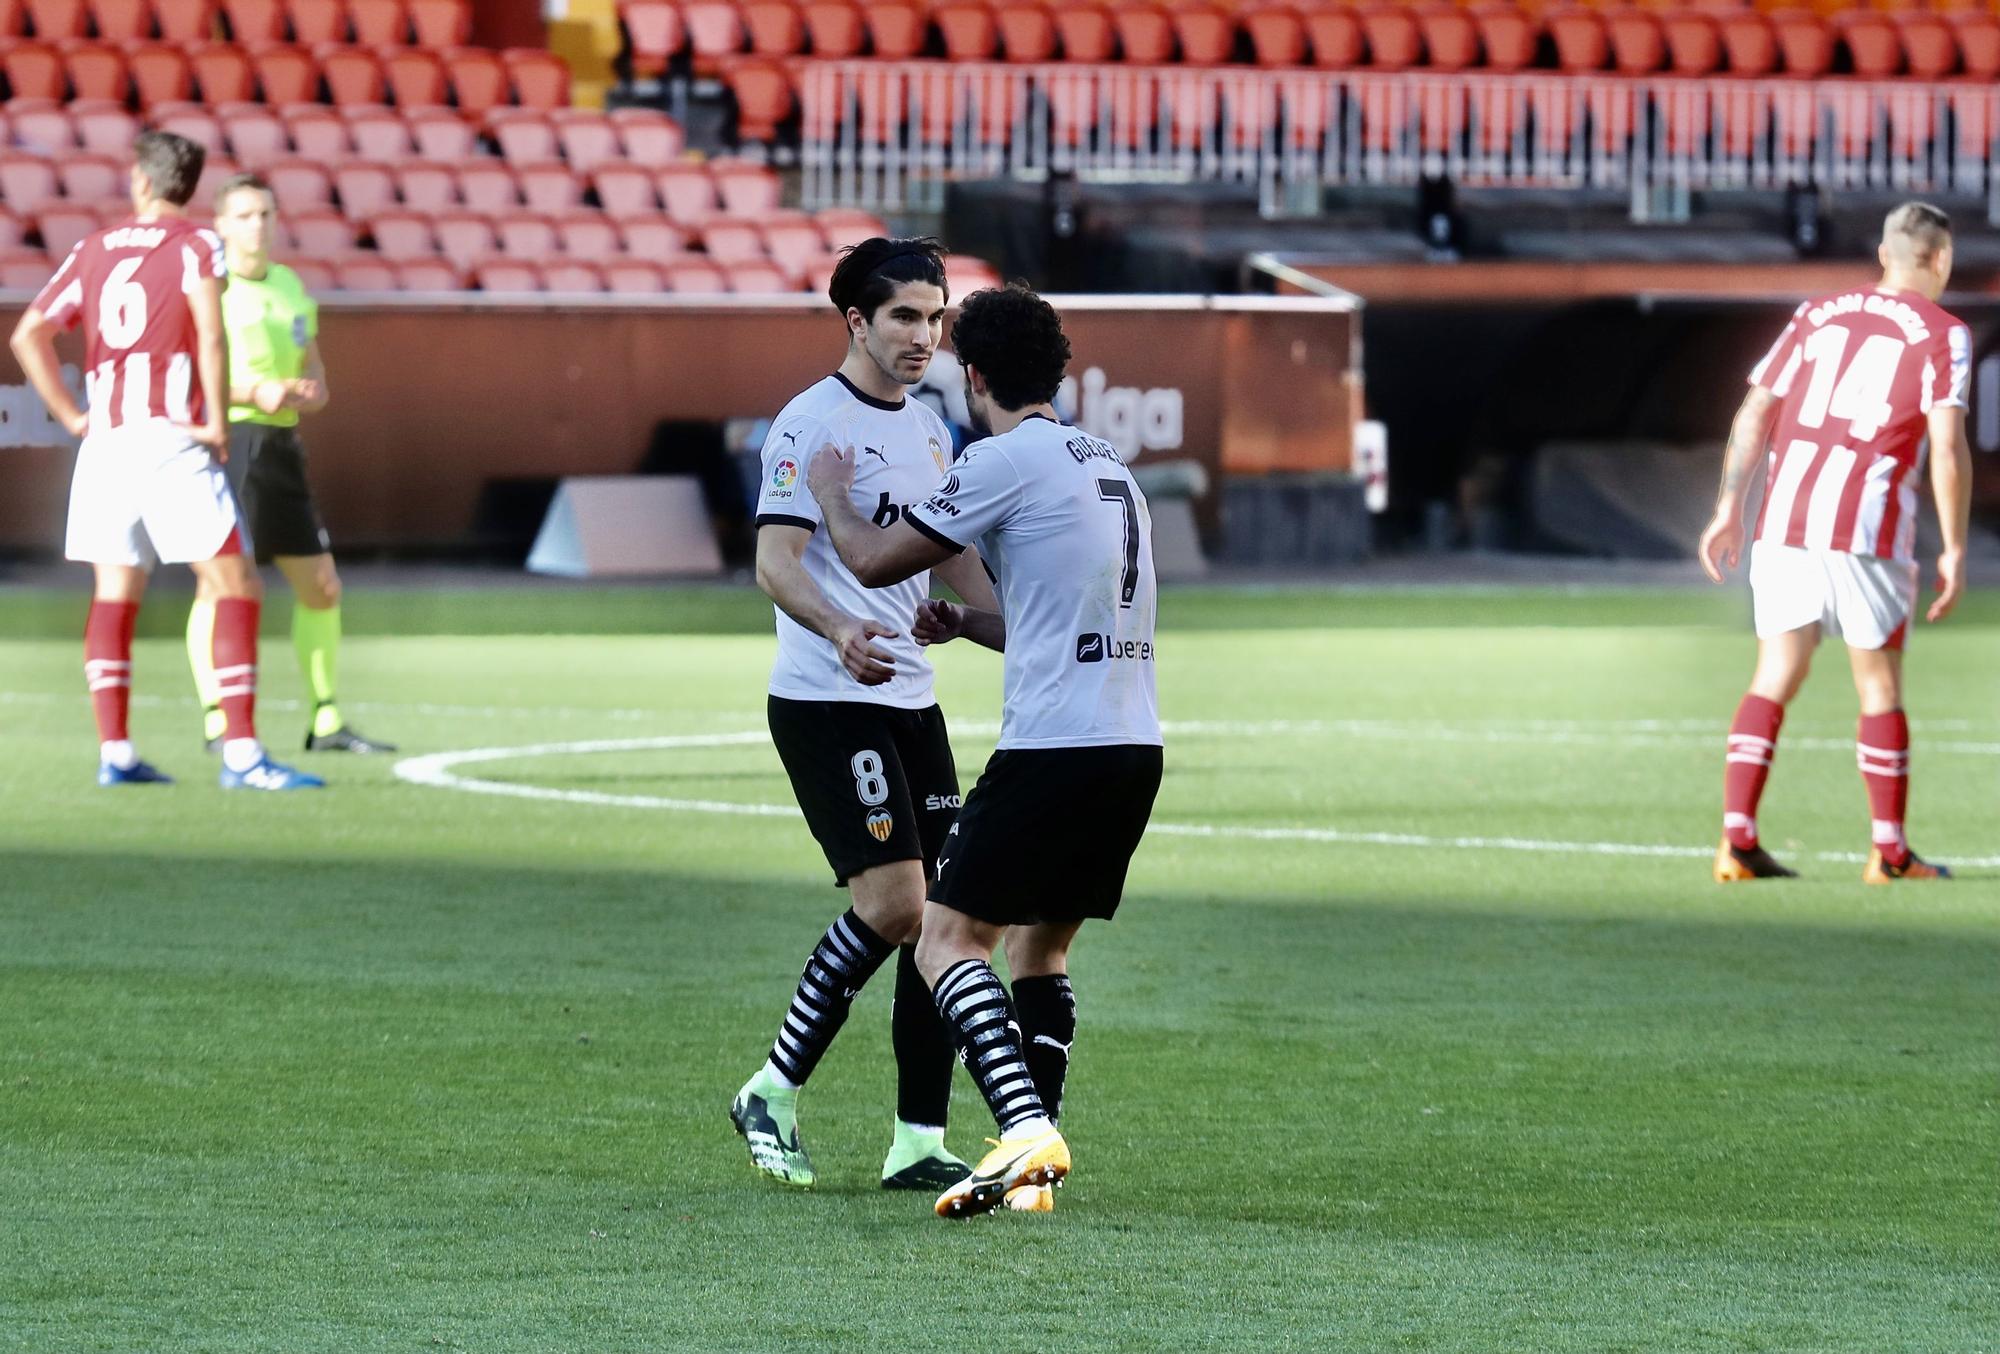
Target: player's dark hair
x=1016, y=340
x=236, y=183
x=869, y=273
x=172, y=164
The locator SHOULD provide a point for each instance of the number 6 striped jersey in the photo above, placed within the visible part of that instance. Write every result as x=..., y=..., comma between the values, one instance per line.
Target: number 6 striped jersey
x=128, y=285
x=1855, y=376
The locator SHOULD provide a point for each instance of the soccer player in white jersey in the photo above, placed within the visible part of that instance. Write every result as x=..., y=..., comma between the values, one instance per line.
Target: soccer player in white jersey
x=852, y=712
x=1046, y=835
x=1840, y=410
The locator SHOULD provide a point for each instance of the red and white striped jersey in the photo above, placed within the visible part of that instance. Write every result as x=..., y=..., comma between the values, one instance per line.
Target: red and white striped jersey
x=1855, y=376
x=128, y=285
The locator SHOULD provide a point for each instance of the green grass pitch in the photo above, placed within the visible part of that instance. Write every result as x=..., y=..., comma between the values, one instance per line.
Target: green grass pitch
x=1396, y=1045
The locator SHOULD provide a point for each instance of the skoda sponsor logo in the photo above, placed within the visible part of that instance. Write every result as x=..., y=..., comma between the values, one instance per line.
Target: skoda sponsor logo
x=936, y=802
x=1094, y=647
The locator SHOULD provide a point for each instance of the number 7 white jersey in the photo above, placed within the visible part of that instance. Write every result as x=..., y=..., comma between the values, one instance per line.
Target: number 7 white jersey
x=1856, y=376
x=1056, y=516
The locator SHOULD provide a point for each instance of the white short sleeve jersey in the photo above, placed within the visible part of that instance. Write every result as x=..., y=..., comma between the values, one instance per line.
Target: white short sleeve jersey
x=1056, y=516
x=900, y=450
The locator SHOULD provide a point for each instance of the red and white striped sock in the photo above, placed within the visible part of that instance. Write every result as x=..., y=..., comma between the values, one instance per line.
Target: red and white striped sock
x=1753, y=742
x=235, y=655
x=107, y=667
x=1882, y=747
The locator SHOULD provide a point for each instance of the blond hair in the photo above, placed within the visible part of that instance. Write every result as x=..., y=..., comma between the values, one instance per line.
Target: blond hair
x=1915, y=232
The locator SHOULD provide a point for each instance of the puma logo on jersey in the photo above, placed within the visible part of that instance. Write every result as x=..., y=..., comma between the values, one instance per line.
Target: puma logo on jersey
x=791, y=437
x=876, y=452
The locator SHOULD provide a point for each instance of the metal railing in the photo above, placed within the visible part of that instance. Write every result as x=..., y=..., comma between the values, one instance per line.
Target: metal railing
x=890, y=135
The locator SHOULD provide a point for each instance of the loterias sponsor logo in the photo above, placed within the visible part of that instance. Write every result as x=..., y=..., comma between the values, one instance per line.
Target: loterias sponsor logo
x=1092, y=647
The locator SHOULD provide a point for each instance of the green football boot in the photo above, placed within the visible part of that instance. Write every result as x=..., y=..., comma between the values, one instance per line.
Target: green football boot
x=766, y=1114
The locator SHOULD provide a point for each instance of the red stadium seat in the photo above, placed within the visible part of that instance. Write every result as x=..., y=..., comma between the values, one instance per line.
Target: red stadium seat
x=586, y=136
x=634, y=277
x=318, y=230
x=714, y=33
x=318, y=133
x=840, y=226
x=440, y=133
x=898, y=29
x=353, y=76
x=1205, y=31
x=508, y=276
x=763, y=93
x=1395, y=42
x=63, y=226
x=252, y=22
x=196, y=124
x=488, y=186
x=34, y=71
x=360, y=272
x=43, y=126
x=688, y=194
x=27, y=181
x=586, y=233
x=366, y=190
x=441, y=24
x=1750, y=43
x=299, y=184
x=13, y=232
x=122, y=20
x=1086, y=31
x=318, y=275
x=97, y=71
x=222, y=72
x=1978, y=43
x=379, y=23
x=1581, y=42
x=835, y=28
x=1872, y=44
x=214, y=171
x=92, y=178
x=745, y=189
x=551, y=187
x=692, y=276
x=1694, y=43
x=378, y=133
x=1930, y=47
x=647, y=136
x=524, y=135
x=316, y=21
x=539, y=78
x=1145, y=33
x=286, y=74
x=417, y=78
x=625, y=189
x=24, y=269
x=186, y=21
x=1807, y=43
x=55, y=19
x=653, y=35
x=160, y=74
x=1638, y=47
x=651, y=236
x=254, y=134
x=774, y=27
x=1277, y=35
x=1338, y=41
x=758, y=277
x=727, y=241
x=478, y=80
x=1451, y=37
x=104, y=128
x=527, y=235
x=1509, y=35
x=1027, y=30
x=465, y=237
x=578, y=276
x=792, y=239
x=420, y=274
x=427, y=187
x=969, y=274
x=968, y=29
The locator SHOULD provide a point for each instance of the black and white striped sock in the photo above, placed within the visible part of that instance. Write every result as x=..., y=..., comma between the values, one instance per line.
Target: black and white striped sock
x=843, y=961
x=975, y=1009
x=1047, y=1007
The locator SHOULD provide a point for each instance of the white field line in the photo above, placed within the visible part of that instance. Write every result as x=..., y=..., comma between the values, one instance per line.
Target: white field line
x=436, y=770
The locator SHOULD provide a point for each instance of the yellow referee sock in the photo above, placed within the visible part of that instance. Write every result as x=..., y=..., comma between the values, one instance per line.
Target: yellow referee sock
x=201, y=661
x=316, y=638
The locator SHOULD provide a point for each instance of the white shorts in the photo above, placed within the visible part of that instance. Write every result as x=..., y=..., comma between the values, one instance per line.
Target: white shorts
x=1864, y=599
x=146, y=495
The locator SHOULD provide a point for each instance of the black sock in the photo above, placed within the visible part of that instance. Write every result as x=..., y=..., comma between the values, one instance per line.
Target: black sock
x=975, y=1010
x=924, y=1055
x=845, y=959
x=1047, y=1007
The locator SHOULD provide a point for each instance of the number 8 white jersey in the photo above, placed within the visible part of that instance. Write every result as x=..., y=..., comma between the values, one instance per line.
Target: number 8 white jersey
x=1056, y=516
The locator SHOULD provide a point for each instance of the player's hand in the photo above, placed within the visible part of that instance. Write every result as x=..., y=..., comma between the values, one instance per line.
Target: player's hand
x=300, y=393
x=831, y=473
x=938, y=622
x=214, y=436
x=270, y=395
x=77, y=424
x=866, y=662
x=1721, y=545
x=1950, y=584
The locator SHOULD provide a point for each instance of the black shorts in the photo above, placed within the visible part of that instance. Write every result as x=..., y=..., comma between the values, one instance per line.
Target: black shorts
x=267, y=469
x=876, y=783
x=1047, y=833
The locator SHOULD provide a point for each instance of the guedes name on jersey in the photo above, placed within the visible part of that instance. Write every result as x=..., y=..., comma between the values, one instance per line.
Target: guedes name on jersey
x=1087, y=449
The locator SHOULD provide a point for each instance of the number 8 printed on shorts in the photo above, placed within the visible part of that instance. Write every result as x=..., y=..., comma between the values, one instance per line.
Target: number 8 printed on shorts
x=869, y=782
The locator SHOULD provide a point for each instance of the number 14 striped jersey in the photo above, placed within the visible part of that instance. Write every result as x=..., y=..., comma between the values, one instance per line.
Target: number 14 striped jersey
x=1856, y=375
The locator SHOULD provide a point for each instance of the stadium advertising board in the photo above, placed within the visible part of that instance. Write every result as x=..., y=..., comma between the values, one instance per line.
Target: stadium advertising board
x=433, y=400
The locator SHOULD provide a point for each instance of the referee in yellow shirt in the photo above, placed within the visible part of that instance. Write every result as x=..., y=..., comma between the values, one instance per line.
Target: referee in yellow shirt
x=275, y=374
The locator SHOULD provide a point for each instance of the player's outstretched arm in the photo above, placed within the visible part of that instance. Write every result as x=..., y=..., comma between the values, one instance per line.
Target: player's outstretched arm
x=1951, y=484
x=781, y=573
x=876, y=557
x=34, y=345
x=1722, y=540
